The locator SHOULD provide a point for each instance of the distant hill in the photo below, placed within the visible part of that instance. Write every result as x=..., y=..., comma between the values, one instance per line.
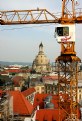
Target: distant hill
x=4, y=63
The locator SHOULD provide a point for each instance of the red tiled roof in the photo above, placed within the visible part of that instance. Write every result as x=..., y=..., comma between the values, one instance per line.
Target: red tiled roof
x=50, y=77
x=3, y=72
x=38, y=100
x=50, y=114
x=17, y=70
x=17, y=79
x=28, y=91
x=1, y=93
x=21, y=106
x=14, y=70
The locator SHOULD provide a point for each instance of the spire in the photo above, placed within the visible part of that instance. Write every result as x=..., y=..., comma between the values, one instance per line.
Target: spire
x=41, y=47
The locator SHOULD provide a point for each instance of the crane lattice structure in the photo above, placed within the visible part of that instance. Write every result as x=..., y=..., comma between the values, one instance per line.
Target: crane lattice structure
x=67, y=63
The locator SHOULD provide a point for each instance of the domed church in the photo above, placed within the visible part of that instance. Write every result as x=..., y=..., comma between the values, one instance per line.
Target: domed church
x=41, y=62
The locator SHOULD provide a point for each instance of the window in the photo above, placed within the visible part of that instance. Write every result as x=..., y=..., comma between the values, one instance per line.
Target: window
x=79, y=90
x=42, y=88
x=37, y=88
x=62, y=31
x=80, y=96
x=65, y=31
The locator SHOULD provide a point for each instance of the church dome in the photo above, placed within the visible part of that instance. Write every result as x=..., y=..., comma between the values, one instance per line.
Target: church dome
x=49, y=106
x=48, y=99
x=41, y=59
x=41, y=62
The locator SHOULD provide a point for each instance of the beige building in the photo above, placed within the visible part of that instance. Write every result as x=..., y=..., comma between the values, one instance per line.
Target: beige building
x=41, y=62
x=40, y=88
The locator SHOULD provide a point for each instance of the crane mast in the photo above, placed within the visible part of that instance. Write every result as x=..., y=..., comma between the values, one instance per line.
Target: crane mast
x=67, y=63
x=65, y=10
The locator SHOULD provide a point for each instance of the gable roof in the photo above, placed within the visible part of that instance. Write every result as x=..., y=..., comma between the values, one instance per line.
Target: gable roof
x=50, y=115
x=50, y=77
x=28, y=91
x=39, y=100
x=16, y=80
x=21, y=106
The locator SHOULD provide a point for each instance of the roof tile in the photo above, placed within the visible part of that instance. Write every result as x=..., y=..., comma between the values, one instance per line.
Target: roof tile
x=21, y=106
x=28, y=91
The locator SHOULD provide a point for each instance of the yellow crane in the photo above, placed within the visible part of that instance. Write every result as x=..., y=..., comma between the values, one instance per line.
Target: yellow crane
x=67, y=63
x=40, y=16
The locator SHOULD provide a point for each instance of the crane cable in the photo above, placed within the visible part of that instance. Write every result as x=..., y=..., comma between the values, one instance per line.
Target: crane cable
x=27, y=27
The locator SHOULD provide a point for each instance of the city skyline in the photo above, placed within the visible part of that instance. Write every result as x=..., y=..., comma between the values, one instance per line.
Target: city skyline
x=21, y=42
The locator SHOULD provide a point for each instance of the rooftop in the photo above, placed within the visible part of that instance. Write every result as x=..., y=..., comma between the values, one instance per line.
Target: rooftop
x=21, y=106
x=28, y=91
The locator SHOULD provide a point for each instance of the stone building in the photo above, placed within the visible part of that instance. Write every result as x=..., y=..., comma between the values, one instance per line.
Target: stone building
x=41, y=62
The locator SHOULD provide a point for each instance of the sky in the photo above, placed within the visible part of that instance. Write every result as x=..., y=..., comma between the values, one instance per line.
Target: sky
x=20, y=43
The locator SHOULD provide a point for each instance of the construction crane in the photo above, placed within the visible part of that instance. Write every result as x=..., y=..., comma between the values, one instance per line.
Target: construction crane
x=41, y=16
x=67, y=64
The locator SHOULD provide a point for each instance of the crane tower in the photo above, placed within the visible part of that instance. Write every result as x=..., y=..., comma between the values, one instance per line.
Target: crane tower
x=67, y=67
x=67, y=64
